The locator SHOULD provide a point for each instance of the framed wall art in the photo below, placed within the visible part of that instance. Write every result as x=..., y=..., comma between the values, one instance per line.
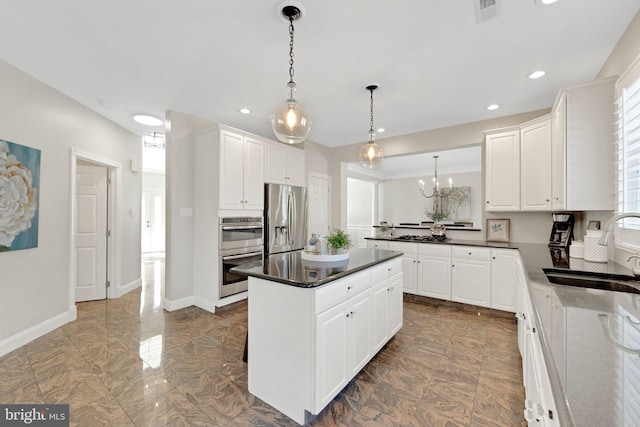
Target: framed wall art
x=19, y=207
x=497, y=230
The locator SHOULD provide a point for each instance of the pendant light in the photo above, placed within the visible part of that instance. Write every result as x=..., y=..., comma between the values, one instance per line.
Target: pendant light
x=371, y=153
x=291, y=122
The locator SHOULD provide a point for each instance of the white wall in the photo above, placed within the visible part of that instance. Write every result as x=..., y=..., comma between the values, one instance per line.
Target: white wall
x=404, y=203
x=34, y=283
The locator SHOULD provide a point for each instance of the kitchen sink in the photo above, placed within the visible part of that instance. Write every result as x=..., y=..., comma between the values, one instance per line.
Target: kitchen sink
x=583, y=279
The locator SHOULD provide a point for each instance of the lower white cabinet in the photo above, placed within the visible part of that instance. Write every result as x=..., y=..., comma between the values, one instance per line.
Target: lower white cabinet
x=434, y=271
x=343, y=335
x=503, y=279
x=475, y=275
x=409, y=264
x=386, y=293
x=539, y=405
x=471, y=275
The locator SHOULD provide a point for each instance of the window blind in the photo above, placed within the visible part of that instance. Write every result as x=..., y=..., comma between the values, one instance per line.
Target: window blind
x=627, y=128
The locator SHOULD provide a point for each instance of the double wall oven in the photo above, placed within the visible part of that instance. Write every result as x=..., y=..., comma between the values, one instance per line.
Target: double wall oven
x=241, y=242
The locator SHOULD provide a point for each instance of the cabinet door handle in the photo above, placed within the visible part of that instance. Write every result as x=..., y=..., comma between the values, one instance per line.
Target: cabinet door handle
x=349, y=288
x=487, y=202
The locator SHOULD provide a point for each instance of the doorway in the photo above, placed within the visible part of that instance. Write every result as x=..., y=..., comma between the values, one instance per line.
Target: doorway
x=94, y=226
x=361, y=209
x=153, y=221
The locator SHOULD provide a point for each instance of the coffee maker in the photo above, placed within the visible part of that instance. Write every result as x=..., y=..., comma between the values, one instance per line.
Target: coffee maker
x=562, y=230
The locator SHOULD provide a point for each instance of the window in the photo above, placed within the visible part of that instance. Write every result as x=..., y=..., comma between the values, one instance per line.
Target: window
x=627, y=170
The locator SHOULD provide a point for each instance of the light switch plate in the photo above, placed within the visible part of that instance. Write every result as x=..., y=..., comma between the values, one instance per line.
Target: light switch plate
x=186, y=212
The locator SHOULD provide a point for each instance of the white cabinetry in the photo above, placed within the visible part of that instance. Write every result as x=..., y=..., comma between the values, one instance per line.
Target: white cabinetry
x=285, y=165
x=343, y=345
x=434, y=271
x=471, y=275
x=518, y=167
x=241, y=172
x=387, y=303
x=582, y=141
x=539, y=406
x=503, y=279
x=302, y=365
x=503, y=170
x=535, y=165
x=377, y=244
x=409, y=264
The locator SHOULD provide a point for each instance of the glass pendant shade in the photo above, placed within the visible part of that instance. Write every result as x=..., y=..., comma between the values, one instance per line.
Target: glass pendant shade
x=291, y=122
x=371, y=155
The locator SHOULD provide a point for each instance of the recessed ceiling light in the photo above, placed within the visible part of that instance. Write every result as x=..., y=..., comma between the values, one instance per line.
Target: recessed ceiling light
x=537, y=74
x=148, y=120
x=544, y=2
x=493, y=107
x=380, y=130
x=245, y=111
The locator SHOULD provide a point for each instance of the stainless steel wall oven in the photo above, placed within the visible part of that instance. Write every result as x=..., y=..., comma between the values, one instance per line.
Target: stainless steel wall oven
x=241, y=242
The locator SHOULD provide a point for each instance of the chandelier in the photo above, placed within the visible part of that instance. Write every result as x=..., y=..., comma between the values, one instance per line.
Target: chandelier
x=440, y=196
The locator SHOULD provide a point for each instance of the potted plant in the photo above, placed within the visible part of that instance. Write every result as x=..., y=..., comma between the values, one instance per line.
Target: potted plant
x=338, y=241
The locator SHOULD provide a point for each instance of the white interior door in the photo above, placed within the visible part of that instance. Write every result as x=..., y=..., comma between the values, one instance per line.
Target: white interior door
x=91, y=232
x=318, y=191
x=153, y=221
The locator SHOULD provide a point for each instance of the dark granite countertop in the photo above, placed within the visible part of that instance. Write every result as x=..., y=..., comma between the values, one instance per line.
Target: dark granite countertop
x=595, y=382
x=289, y=267
x=482, y=243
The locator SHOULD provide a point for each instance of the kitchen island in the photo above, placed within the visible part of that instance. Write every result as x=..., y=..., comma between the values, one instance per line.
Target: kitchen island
x=314, y=325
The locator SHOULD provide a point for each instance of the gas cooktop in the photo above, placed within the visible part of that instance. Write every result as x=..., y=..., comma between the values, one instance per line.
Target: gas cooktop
x=411, y=238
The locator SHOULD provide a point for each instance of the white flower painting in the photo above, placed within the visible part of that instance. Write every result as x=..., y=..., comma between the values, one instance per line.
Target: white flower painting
x=19, y=182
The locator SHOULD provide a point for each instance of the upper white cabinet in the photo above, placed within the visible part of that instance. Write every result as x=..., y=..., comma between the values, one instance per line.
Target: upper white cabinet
x=518, y=167
x=559, y=162
x=582, y=147
x=503, y=170
x=241, y=171
x=535, y=165
x=285, y=165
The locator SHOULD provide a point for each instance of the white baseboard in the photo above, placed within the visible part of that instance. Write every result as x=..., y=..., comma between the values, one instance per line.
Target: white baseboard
x=36, y=331
x=232, y=298
x=205, y=304
x=122, y=290
x=172, y=305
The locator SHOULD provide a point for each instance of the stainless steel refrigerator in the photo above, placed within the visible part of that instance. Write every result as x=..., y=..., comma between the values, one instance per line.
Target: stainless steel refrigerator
x=285, y=218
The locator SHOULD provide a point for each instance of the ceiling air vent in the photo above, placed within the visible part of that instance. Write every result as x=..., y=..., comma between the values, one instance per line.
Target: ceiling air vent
x=487, y=9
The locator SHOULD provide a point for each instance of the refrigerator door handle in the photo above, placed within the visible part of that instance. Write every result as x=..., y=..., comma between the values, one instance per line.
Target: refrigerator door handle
x=290, y=213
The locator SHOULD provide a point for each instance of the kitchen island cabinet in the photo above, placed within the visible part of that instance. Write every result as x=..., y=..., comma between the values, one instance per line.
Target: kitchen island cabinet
x=313, y=326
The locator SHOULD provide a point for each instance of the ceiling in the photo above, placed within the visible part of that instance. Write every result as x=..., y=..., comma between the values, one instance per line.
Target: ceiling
x=435, y=64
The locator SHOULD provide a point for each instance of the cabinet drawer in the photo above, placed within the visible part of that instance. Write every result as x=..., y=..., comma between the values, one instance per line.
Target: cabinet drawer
x=471, y=252
x=407, y=248
x=386, y=270
x=335, y=292
x=377, y=244
x=429, y=249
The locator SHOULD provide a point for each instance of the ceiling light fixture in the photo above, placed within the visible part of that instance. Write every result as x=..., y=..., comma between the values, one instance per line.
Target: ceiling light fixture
x=291, y=122
x=245, y=111
x=537, y=74
x=371, y=153
x=493, y=107
x=145, y=119
x=544, y=2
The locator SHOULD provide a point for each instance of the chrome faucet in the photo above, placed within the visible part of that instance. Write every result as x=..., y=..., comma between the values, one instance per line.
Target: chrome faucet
x=604, y=239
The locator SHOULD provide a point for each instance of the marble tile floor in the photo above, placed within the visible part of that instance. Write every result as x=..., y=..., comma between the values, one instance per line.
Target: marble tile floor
x=127, y=362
